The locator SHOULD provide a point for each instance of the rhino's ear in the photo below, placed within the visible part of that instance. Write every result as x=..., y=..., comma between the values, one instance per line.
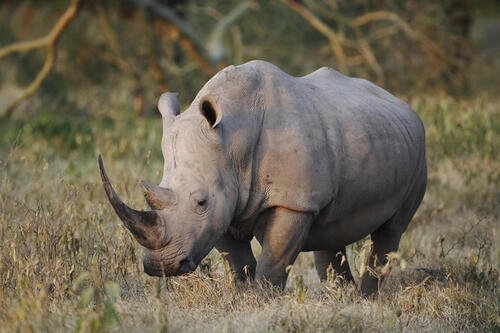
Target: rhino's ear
x=168, y=105
x=210, y=109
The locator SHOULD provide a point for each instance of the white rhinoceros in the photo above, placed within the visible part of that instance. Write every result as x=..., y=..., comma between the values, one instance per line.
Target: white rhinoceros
x=310, y=163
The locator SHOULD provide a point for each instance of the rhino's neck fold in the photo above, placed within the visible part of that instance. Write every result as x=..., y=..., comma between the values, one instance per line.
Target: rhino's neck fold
x=250, y=197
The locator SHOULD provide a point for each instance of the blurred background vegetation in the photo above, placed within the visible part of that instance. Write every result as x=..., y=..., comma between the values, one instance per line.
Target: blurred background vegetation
x=114, y=58
x=122, y=54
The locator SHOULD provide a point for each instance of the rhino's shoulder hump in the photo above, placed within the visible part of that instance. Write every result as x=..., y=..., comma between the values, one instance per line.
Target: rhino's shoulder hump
x=260, y=65
x=249, y=75
x=263, y=70
x=325, y=72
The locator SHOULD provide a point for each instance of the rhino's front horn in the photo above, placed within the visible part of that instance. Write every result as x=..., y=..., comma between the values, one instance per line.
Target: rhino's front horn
x=144, y=225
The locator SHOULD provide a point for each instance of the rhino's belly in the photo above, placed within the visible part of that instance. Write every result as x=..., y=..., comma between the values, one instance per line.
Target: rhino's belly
x=331, y=230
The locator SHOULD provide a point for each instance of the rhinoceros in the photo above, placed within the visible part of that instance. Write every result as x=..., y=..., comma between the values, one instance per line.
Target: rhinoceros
x=311, y=163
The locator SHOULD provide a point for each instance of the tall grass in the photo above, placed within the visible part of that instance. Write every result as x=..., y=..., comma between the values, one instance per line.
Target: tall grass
x=66, y=264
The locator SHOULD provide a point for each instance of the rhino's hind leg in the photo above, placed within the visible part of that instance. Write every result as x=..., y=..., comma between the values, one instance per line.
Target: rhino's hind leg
x=337, y=259
x=386, y=239
x=384, y=242
x=239, y=255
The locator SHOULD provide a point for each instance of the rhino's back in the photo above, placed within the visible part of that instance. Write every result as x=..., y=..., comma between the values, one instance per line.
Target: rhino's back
x=354, y=144
x=377, y=140
x=320, y=140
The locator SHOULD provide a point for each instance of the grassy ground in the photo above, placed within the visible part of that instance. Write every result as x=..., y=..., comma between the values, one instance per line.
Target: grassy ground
x=66, y=264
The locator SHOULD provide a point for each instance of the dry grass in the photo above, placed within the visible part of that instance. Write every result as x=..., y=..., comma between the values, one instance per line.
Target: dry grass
x=66, y=264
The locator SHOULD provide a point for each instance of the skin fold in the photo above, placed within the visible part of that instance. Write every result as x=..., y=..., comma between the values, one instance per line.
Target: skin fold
x=310, y=163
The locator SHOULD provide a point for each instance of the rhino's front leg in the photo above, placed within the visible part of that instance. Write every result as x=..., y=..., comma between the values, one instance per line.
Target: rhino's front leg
x=282, y=235
x=240, y=256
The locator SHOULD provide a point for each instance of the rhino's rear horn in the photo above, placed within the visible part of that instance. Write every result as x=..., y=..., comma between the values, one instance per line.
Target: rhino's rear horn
x=157, y=197
x=142, y=224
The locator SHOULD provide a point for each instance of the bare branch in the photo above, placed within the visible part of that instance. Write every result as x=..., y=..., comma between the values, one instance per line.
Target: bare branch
x=50, y=42
x=205, y=64
x=119, y=59
x=51, y=38
x=343, y=48
x=189, y=39
x=154, y=55
x=112, y=40
x=324, y=29
x=24, y=46
x=367, y=53
x=169, y=15
x=215, y=44
x=405, y=27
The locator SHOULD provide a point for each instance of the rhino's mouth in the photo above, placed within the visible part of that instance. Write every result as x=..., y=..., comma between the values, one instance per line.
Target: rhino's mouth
x=182, y=265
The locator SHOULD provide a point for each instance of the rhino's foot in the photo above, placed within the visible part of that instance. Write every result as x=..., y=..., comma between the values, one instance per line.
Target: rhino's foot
x=369, y=284
x=385, y=240
x=328, y=262
x=239, y=255
x=374, y=276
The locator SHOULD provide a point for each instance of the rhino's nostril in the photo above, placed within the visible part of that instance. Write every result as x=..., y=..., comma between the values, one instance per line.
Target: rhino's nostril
x=186, y=265
x=151, y=271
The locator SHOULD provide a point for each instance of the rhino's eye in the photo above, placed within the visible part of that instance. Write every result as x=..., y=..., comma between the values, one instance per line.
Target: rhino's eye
x=199, y=201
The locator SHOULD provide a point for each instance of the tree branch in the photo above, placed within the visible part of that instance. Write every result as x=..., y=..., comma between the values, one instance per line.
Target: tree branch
x=382, y=15
x=50, y=42
x=324, y=29
x=215, y=43
x=361, y=44
x=188, y=38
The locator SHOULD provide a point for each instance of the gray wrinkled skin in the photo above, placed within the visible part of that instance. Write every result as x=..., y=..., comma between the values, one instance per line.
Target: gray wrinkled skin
x=312, y=163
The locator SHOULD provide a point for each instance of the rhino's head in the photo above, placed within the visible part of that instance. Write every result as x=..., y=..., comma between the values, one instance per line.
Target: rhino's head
x=193, y=205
